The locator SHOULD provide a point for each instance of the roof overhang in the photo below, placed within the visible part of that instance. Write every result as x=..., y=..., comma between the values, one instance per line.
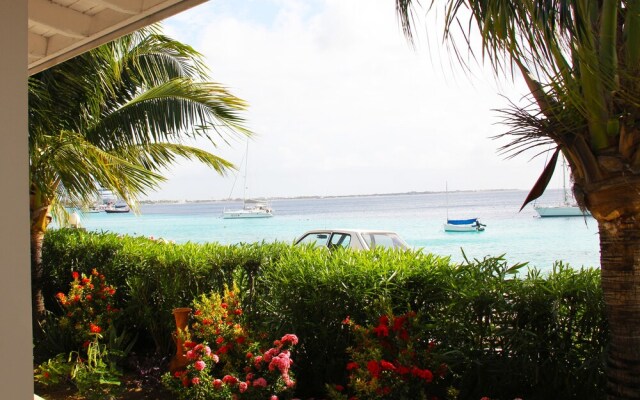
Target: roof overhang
x=62, y=29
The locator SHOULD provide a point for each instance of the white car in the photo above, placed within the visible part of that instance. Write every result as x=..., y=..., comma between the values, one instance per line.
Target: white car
x=357, y=239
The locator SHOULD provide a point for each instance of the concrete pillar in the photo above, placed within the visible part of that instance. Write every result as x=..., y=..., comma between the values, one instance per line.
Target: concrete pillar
x=16, y=368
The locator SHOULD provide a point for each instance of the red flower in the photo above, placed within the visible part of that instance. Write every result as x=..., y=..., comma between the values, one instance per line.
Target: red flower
x=398, y=322
x=381, y=330
x=352, y=365
x=347, y=320
x=89, y=297
x=94, y=328
x=75, y=275
x=230, y=380
x=237, y=311
x=374, y=368
x=387, y=365
x=339, y=388
x=223, y=305
x=189, y=344
x=402, y=370
x=86, y=280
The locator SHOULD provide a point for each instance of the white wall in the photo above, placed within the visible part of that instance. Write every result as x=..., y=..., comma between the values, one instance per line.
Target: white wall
x=16, y=366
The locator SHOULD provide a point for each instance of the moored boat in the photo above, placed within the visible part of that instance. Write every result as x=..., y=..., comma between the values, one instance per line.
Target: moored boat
x=464, y=225
x=251, y=209
x=564, y=209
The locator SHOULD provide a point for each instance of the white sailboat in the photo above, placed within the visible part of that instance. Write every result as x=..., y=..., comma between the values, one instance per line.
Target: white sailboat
x=461, y=225
x=564, y=209
x=251, y=208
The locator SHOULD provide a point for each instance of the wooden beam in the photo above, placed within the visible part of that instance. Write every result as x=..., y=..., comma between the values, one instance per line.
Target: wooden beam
x=122, y=6
x=109, y=32
x=37, y=45
x=59, y=19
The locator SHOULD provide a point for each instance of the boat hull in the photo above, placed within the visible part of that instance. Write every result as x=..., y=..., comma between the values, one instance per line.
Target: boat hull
x=561, y=211
x=240, y=214
x=117, y=210
x=463, y=228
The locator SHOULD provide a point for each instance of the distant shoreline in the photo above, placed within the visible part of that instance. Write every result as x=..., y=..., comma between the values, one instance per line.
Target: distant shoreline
x=321, y=197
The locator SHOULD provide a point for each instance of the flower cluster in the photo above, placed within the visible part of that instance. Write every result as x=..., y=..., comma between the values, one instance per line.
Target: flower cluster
x=88, y=306
x=392, y=360
x=88, y=313
x=225, y=362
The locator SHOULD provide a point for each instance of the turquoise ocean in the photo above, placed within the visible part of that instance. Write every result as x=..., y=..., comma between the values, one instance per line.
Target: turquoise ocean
x=417, y=217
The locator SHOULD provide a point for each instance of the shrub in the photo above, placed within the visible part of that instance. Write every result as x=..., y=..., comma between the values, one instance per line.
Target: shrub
x=234, y=366
x=88, y=316
x=392, y=360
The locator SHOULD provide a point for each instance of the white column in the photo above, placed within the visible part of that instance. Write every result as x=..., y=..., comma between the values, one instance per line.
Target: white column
x=16, y=367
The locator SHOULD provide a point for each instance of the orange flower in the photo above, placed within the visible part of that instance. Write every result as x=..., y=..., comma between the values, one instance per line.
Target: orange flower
x=94, y=328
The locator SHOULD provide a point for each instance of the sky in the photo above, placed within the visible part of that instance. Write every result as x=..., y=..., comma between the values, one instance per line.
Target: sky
x=341, y=104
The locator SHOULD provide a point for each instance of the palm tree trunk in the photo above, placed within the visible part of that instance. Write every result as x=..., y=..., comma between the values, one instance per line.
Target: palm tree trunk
x=39, y=211
x=620, y=269
x=37, y=239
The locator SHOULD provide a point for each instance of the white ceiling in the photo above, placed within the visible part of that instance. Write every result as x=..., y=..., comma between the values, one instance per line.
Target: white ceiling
x=61, y=29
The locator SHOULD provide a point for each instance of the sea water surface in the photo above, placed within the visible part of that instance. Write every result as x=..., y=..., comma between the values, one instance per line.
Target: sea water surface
x=418, y=218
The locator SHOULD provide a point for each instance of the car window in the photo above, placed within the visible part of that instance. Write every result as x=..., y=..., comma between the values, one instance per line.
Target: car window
x=316, y=239
x=383, y=240
x=340, y=240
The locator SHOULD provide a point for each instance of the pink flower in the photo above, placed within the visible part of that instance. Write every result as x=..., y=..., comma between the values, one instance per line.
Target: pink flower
x=195, y=381
x=207, y=350
x=243, y=387
x=273, y=397
x=289, y=338
x=260, y=382
x=191, y=355
x=199, y=365
x=217, y=383
x=230, y=380
x=215, y=358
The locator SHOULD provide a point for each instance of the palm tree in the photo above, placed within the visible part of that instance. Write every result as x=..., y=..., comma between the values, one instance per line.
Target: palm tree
x=581, y=62
x=116, y=117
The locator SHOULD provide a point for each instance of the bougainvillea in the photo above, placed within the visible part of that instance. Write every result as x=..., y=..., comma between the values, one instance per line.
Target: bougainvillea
x=392, y=360
x=224, y=359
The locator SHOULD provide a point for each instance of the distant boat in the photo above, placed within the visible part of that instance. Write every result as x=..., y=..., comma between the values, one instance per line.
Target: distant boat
x=461, y=225
x=464, y=225
x=251, y=208
x=564, y=209
x=118, y=210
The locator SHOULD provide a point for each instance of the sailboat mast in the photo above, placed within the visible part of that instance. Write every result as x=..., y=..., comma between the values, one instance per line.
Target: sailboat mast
x=246, y=163
x=564, y=180
x=446, y=193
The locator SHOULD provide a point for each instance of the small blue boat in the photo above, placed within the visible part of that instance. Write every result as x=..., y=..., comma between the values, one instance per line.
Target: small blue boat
x=464, y=225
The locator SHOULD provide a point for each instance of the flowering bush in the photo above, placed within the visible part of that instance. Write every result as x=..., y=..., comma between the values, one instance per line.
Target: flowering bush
x=392, y=361
x=88, y=315
x=88, y=307
x=225, y=362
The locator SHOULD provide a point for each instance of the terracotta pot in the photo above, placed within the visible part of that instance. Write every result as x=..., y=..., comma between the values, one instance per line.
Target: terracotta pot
x=179, y=361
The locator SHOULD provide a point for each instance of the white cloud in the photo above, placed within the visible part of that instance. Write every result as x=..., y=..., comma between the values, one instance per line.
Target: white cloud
x=342, y=105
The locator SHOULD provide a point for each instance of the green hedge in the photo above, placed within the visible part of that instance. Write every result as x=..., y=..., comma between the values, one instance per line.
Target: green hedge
x=504, y=335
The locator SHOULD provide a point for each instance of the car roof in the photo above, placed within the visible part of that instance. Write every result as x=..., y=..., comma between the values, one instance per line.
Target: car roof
x=351, y=231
